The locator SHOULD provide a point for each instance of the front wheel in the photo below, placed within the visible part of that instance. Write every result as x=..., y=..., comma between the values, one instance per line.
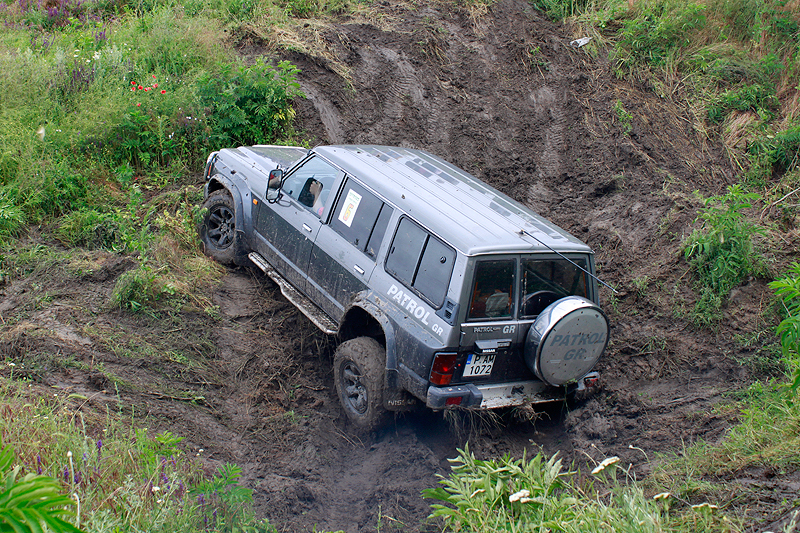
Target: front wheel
x=218, y=231
x=358, y=371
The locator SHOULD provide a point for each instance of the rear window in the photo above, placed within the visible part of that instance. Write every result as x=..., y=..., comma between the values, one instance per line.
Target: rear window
x=546, y=280
x=421, y=261
x=542, y=281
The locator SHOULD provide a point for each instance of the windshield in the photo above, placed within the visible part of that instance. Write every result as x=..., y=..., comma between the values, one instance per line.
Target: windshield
x=542, y=281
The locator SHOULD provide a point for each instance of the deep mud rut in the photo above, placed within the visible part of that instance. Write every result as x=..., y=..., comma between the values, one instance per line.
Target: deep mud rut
x=503, y=95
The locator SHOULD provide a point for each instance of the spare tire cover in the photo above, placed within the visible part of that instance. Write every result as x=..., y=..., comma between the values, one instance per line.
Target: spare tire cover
x=566, y=340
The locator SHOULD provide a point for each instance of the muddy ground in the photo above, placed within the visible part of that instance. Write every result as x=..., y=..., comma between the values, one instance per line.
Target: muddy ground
x=503, y=95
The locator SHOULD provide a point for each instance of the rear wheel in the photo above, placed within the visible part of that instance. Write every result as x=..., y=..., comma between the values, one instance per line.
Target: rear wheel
x=359, y=366
x=218, y=231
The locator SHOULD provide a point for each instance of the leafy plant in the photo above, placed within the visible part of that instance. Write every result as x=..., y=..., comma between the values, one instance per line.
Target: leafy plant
x=32, y=503
x=509, y=495
x=758, y=98
x=251, y=105
x=659, y=28
x=722, y=251
x=625, y=118
x=788, y=290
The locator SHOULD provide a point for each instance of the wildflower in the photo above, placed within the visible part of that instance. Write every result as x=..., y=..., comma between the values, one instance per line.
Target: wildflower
x=662, y=496
x=518, y=496
x=139, y=104
x=606, y=462
x=140, y=87
x=154, y=76
x=155, y=488
x=155, y=85
x=99, y=447
x=159, y=501
x=133, y=83
x=163, y=91
x=703, y=506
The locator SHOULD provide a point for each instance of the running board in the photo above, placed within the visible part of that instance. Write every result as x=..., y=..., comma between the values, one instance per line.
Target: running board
x=306, y=306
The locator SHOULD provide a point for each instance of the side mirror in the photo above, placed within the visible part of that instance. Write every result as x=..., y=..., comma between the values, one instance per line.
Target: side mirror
x=275, y=178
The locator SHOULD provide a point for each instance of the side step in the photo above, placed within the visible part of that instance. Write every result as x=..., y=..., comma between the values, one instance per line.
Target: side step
x=306, y=306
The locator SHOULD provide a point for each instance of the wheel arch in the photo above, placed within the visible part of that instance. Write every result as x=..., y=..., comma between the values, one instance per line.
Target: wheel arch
x=365, y=319
x=219, y=182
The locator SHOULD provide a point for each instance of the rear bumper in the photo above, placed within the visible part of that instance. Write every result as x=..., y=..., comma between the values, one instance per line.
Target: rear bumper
x=491, y=396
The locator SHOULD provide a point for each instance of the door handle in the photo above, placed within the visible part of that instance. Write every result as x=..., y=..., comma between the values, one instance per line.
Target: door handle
x=358, y=269
x=307, y=227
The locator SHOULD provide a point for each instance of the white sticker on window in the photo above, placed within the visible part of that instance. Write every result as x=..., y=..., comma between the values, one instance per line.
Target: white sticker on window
x=349, y=207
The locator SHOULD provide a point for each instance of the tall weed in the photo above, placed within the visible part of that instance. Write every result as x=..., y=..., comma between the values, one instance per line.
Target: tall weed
x=788, y=290
x=722, y=251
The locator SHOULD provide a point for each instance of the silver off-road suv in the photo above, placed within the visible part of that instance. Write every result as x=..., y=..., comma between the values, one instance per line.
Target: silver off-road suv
x=441, y=289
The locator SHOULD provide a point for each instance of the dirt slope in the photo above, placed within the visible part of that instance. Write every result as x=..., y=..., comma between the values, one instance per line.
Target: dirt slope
x=506, y=97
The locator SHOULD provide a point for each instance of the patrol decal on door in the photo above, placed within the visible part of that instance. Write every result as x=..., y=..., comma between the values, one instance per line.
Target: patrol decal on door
x=413, y=307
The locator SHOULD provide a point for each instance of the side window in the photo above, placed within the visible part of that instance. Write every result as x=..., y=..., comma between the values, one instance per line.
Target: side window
x=360, y=217
x=311, y=184
x=493, y=290
x=421, y=261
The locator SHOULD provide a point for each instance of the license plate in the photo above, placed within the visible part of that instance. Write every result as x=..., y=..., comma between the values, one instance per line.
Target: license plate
x=478, y=365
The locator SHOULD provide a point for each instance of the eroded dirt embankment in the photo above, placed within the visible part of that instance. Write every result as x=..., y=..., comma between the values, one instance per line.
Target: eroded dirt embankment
x=506, y=97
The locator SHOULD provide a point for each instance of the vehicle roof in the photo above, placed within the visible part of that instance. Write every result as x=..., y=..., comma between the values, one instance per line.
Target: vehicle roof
x=465, y=212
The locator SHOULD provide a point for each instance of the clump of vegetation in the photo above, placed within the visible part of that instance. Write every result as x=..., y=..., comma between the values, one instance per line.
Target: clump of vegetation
x=539, y=494
x=722, y=251
x=119, y=478
x=788, y=290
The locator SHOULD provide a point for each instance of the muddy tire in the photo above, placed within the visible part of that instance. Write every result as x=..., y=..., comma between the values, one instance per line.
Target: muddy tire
x=218, y=231
x=358, y=372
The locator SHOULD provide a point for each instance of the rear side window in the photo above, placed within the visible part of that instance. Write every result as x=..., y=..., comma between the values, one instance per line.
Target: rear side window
x=493, y=290
x=361, y=217
x=421, y=261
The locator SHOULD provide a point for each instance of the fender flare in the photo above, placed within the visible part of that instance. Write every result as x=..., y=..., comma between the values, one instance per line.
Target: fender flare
x=392, y=380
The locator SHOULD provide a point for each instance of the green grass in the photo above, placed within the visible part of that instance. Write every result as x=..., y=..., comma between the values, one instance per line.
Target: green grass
x=124, y=478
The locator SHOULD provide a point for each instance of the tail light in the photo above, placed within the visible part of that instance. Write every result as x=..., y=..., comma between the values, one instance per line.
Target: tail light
x=444, y=365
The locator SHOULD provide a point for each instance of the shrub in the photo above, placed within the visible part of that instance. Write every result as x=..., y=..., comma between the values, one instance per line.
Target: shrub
x=788, y=290
x=659, y=28
x=722, y=251
x=251, y=105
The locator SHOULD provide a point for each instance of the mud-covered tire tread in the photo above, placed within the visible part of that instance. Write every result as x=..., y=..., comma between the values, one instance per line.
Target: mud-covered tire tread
x=369, y=357
x=232, y=254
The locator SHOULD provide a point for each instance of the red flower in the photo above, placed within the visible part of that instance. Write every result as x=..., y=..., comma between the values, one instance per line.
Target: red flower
x=139, y=104
x=163, y=91
x=155, y=85
x=154, y=76
x=133, y=83
x=133, y=88
x=140, y=87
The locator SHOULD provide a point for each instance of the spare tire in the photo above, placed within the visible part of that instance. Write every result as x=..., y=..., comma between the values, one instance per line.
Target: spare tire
x=566, y=340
